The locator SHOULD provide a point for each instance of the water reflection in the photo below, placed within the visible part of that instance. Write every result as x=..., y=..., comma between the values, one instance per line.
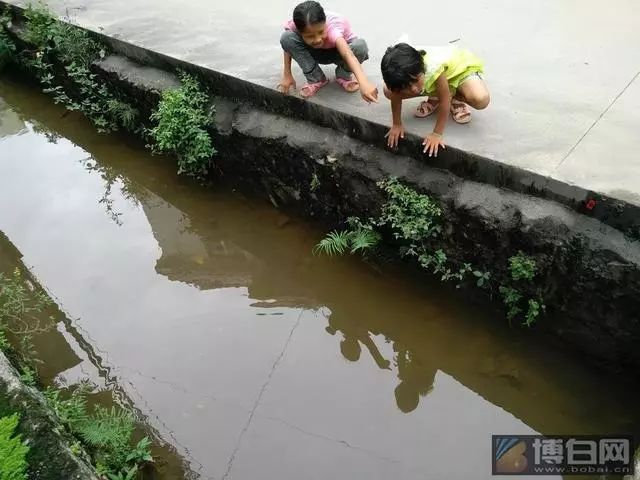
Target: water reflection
x=63, y=358
x=195, y=338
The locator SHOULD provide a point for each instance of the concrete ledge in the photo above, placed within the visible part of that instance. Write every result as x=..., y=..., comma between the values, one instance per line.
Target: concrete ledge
x=620, y=214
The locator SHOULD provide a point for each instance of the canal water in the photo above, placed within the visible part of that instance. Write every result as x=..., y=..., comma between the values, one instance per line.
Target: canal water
x=246, y=356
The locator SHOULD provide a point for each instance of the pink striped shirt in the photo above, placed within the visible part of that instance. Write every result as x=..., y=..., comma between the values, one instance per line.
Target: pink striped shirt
x=337, y=26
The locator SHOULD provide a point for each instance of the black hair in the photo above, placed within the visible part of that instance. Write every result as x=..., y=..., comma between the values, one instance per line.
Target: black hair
x=401, y=65
x=308, y=13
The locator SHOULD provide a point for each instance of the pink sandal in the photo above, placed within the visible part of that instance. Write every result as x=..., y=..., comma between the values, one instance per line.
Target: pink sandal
x=460, y=111
x=349, y=85
x=427, y=107
x=310, y=89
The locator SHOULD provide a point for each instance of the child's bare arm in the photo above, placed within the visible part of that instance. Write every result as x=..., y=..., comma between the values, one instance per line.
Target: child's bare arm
x=397, y=129
x=287, y=77
x=368, y=91
x=434, y=140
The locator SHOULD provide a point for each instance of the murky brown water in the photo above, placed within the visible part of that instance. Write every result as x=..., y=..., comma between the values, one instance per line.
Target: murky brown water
x=247, y=356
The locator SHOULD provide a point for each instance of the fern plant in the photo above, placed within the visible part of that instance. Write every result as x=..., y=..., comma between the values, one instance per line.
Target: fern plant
x=109, y=432
x=13, y=453
x=359, y=238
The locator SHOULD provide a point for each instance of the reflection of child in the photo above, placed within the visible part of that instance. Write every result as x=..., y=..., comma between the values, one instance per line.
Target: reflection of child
x=313, y=38
x=448, y=76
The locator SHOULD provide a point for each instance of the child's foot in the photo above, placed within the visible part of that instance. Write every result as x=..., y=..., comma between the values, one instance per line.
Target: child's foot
x=460, y=111
x=427, y=107
x=349, y=84
x=310, y=89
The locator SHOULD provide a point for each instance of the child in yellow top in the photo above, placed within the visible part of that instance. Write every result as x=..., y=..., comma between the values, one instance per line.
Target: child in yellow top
x=448, y=76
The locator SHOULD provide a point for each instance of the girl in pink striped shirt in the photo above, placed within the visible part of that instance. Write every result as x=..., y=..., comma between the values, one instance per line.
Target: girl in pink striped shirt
x=313, y=38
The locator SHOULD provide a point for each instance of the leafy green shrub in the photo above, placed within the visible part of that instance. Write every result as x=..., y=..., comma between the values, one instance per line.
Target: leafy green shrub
x=106, y=433
x=511, y=298
x=19, y=299
x=72, y=411
x=38, y=25
x=182, y=119
x=13, y=453
x=413, y=216
x=522, y=267
x=62, y=43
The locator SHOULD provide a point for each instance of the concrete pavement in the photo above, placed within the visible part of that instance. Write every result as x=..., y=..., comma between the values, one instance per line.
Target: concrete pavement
x=564, y=75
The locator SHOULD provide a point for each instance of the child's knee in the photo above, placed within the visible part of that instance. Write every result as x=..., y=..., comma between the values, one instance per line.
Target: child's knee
x=481, y=100
x=360, y=49
x=387, y=92
x=288, y=40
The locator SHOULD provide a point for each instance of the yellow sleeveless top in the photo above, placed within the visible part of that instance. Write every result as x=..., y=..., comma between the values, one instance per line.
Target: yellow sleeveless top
x=456, y=63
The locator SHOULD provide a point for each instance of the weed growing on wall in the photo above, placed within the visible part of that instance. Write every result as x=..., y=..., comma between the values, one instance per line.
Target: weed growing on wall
x=13, y=452
x=359, y=238
x=415, y=220
x=522, y=270
x=104, y=433
x=7, y=47
x=60, y=56
x=182, y=118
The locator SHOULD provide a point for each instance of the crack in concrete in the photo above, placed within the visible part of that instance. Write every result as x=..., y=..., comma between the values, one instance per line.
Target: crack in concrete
x=259, y=398
x=597, y=120
x=370, y=453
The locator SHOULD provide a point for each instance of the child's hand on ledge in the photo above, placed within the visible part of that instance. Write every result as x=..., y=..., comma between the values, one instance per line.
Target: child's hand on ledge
x=394, y=135
x=286, y=83
x=431, y=144
x=369, y=92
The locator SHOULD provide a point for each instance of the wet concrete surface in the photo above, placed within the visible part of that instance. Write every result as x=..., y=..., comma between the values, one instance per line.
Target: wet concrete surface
x=250, y=356
x=563, y=74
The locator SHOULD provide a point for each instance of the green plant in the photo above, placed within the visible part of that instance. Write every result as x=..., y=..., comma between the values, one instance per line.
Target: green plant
x=182, y=119
x=359, y=238
x=413, y=216
x=109, y=431
x=522, y=267
x=7, y=47
x=533, y=312
x=73, y=44
x=315, y=182
x=129, y=474
x=20, y=305
x=66, y=45
x=106, y=432
x=511, y=298
x=39, y=21
x=4, y=342
x=29, y=376
x=483, y=278
x=141, y=452
x=19, y=302
x=71, y=411
x=13, y=453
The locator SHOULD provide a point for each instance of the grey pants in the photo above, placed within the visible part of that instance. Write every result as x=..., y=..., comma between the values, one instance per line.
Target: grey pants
x=310, y=58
